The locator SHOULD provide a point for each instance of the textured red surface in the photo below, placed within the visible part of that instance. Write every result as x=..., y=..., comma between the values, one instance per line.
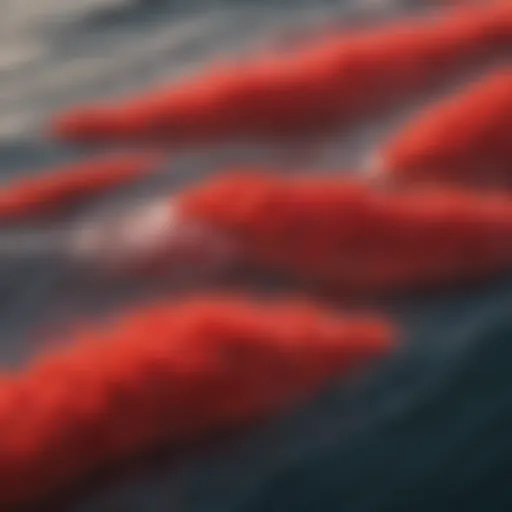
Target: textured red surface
x=335, y=81
x=349, y=235
x=54, y=189
x=175, y=374
x=169, y=373
x=464, y=139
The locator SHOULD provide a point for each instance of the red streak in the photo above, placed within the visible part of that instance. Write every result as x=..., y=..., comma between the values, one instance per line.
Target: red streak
x=171, y=373
x=352, y=237
x=465, y=139
x=65, y=186
x=329, y=83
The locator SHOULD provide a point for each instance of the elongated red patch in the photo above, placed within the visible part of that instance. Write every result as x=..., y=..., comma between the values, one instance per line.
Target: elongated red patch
x=353, y=237
x=169, y=373
x=332, y=82
x=54, y=189
x=465, y=140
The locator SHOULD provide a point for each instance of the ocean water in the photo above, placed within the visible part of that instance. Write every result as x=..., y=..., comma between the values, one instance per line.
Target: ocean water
x=431, y=429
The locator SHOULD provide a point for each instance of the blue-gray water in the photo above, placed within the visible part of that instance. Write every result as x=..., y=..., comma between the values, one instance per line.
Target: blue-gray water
x=430, y=430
